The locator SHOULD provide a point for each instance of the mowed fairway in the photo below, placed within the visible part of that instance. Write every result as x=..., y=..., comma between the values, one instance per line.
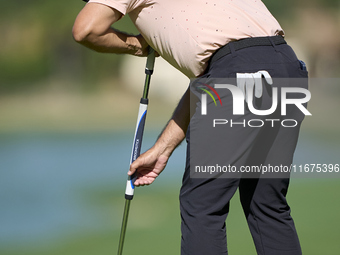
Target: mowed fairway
x=154, y=223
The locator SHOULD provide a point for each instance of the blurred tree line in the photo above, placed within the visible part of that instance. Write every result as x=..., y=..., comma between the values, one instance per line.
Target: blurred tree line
x=37, y=44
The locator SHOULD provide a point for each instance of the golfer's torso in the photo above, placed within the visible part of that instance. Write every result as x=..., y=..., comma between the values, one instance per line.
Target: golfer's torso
x=187, y=32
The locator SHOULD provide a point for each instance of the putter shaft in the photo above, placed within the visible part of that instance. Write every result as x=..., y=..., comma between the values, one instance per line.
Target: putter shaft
x=124, y=224
x=136, y=146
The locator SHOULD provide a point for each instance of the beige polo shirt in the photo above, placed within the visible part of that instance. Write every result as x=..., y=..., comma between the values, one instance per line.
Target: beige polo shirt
x=187, y=32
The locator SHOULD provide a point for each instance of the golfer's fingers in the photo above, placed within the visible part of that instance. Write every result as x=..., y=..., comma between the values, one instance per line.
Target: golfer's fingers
x=143, y=180
x=141, y=183
x=143, y=161
x=135, y=165
x=145, y=177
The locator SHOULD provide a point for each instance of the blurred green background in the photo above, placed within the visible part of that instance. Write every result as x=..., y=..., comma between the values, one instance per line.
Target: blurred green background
x=67, y=117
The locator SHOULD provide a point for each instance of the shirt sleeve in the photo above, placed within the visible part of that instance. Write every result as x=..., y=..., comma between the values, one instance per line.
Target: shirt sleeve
x=123, y=6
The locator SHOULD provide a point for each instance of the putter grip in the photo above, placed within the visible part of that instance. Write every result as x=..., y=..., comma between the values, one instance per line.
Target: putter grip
x=137, y=141
x=136, y=147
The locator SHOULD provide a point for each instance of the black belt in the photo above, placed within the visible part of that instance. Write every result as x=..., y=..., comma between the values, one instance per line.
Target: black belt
x=245, y=43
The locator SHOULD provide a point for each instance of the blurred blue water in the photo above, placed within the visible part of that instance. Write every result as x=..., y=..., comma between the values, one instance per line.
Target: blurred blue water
x=41, y=175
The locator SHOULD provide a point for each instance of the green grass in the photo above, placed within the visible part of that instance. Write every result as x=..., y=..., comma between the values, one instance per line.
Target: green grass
x=154, y=223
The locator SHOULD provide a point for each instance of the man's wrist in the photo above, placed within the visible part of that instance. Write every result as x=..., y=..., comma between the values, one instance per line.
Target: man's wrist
x=170, y=138
x=164, y=147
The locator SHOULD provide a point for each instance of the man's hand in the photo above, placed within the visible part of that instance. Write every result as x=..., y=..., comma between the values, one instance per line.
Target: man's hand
x=151, y=163
x=148, y=166
x=143, y=49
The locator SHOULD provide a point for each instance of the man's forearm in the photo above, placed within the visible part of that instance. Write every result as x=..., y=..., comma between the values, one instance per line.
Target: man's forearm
x=92, y=28
x=113, y=41
x=176, y=129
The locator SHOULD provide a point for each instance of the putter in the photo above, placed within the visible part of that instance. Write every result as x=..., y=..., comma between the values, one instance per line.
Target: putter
x=136, y=146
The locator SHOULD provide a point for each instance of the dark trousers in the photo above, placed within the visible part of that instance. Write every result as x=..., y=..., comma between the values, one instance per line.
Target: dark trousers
x=204, y=202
